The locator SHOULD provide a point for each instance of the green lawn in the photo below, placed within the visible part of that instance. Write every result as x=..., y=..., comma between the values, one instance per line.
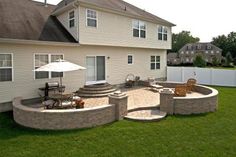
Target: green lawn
x=204, y=135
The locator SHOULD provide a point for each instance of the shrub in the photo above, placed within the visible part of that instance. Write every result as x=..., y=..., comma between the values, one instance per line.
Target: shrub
x=228, y=60
x=199, y=61
x=215, y=61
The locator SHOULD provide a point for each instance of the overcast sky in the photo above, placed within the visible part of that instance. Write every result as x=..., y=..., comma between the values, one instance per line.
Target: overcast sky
x=203, y=18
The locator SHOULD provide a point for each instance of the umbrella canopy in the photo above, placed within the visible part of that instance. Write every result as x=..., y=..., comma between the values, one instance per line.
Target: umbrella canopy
x=60, y=66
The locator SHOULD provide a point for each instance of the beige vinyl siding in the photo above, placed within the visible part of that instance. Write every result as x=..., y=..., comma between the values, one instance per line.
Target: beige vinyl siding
x=117, y=67
x=116, y=30
x=64, y=19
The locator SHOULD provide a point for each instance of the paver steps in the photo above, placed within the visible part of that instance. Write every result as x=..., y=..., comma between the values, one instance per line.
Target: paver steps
x=98, y=90
x=146, y=115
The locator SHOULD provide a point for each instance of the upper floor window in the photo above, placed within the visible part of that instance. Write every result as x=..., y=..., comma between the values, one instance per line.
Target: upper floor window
x=189, y=47
x=130, y=59
x=208, y=47
x=91, y=16
x=43, y=59
x=155, y=62
x=72, y=19
x=6, y=68
x=162, y=33
x=139, y=29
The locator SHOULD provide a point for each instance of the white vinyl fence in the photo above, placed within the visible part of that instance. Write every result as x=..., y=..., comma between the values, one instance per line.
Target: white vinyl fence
x=208, y=76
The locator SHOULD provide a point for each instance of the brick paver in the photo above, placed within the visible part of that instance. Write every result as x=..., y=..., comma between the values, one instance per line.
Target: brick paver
x=138, y=97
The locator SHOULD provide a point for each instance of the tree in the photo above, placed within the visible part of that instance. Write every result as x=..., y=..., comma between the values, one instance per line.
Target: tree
x=229, y=59
x=226, y=43
x=199, y=61
x=181, y=39
x=215, y=61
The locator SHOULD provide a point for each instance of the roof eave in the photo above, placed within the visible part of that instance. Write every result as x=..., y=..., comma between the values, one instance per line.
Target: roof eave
x=36, y=42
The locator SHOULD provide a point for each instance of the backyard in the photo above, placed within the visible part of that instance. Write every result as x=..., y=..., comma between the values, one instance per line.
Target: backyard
x=212, y=134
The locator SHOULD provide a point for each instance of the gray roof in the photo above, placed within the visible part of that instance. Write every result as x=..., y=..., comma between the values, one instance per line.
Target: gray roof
x=204, y=47
x=118, y=5
x=29, y=20
x=172, y=55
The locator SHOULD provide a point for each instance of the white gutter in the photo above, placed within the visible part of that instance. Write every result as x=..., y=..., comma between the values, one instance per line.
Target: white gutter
x=36, y=42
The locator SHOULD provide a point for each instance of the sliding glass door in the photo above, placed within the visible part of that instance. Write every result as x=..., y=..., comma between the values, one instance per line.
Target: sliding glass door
x=95, y=69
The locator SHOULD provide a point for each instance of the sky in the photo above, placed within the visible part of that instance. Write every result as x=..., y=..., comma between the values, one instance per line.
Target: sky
x=203, y=18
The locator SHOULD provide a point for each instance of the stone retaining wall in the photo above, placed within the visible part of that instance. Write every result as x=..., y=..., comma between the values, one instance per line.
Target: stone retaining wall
x=63, y=119
x=208, y=102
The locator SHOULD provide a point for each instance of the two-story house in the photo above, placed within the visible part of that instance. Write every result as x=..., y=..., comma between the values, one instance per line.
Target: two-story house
x=207, y=50
x=111, y=38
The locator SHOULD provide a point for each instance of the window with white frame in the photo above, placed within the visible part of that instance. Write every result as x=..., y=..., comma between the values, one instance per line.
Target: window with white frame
x=55, y=58
x=130, y=59
x=43, y=59
x=162, y=33
x=6, y=67
x=72, y=19
x=91, y=16
x=155, y=62
x=139, y=29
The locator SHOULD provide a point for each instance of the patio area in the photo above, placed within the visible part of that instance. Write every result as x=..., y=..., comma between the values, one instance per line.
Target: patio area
x=137, y=97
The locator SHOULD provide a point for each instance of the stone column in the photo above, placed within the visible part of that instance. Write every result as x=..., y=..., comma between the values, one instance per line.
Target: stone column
x=167, y=101
x=120, y=100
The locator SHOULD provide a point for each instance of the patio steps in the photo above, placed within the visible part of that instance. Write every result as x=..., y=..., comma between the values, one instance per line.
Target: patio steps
x=98, y=90
x=146, y=115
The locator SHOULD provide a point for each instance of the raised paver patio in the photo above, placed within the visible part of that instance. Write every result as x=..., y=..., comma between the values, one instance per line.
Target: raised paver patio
x=137, y=97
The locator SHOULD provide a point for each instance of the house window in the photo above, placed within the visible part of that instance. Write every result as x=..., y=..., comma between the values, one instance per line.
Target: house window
x=208, y=47
x=71, y=19
x=91, y=18
x=6, y=67
x=162, y=33
x=130, y=59
x=155, y=62
x=54, y=58
x=139, y=29
x=43, y=59
x=187, y=59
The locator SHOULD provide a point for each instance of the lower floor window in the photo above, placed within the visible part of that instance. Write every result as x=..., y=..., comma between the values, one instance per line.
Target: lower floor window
x=43, y=59
x=155, y=62
x=6, y=68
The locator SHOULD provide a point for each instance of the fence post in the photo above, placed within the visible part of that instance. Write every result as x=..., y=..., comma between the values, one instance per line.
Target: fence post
x=182, y=72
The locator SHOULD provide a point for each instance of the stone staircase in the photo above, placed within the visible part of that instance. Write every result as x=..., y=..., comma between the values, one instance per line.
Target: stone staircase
x=98, y=90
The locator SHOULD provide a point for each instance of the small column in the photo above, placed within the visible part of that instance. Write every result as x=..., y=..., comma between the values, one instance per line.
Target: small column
x=120, y=100
x=167, y=101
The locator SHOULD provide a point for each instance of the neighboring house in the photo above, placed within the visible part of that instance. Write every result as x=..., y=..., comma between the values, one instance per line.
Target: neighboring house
x=173, y=59
x=188, y=53
x=111, y=38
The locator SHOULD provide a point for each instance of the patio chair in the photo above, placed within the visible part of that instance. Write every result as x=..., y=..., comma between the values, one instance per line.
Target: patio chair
x=153, y=84
x=180, y=90
x=47, y=104
x=190, y=85
x=129, y=81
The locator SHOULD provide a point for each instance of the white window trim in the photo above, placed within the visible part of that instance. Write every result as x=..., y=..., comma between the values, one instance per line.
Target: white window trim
x=12, y=67
x=49, y=61
x=139, y=29
x=155, y=62
x=91, y=18
x=162, y=33
x=69, y=19
x=132, y=59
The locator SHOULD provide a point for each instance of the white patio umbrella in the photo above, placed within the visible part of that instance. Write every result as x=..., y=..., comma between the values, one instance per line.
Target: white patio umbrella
x=60, y=66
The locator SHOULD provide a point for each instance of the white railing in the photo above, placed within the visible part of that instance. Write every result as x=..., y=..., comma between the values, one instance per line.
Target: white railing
x=208, y=76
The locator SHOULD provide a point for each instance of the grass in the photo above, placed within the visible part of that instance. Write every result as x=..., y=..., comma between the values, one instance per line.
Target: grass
x=212, y=135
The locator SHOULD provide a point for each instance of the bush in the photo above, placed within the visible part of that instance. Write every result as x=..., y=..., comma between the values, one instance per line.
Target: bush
x=215, y=61
x=199, y=61
x=228, y=60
